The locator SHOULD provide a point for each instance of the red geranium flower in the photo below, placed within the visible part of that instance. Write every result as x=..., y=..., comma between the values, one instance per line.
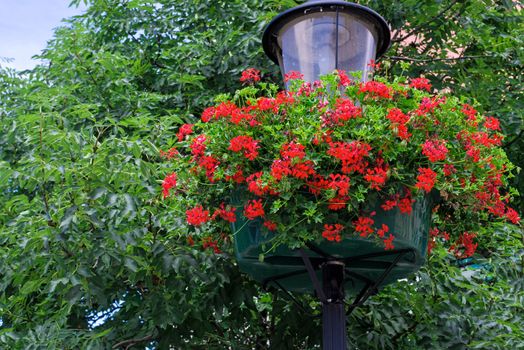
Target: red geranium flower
x=332, y=232
x=254, y=209
x=435, y=150
x=245, y=144
x=420, y=83
x=293, y=75
x=363, y=225
x=250, y=75
x=492, y=123
x=270, y=225
x=374, y=89
x=388, y=243
x=197, y=216
x=426, y=179
x=168, y=183
x=184, y=130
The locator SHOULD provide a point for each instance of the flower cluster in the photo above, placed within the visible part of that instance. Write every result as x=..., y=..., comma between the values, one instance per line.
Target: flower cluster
x=250, y=75
x=318, y=163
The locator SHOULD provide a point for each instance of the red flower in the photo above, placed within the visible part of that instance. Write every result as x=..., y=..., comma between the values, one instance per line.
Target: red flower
x=168, y=183
x=184, y=130
x=435, y=150
x=208, y=242
x=318, y=184
x=470, y=113
x=237, y=177
x=190, y=241
x=171, y=153
x=250, y=75
x=431, y=245
x=284, y=97
x=389, y=242
x=266, y=103
x=209, y=164
x=383, y=230
x=374, y=65
x=395, y=115
x=428, y=105
x=292, y=75
x=420, y=83
x=483, y=139
x=377, y=177
x=402, y=132
x=292, y=149
x=198, y=146
x=254, y=209
x=227, y=214
x=512, y=215
x=303, y=170
x=498, y=208
x=405, y=205
x=207, y=114
x=270, y=225
x=473, y=153
x=197, y=216
x=492, y=123
x=344, y=79
x=338, y=202
x=363, y=225
x=449, y=169
x=332, y=232
x=340, y=183
x=389, y=204
x=225, y=109
x=280, y=168
x=254, y=184
x=464, y=247
x=241, y=114
x=345, y=110
x=426, y=179
x=350, y=153
x=374, y=89
x=398, y=122
x=245, y=144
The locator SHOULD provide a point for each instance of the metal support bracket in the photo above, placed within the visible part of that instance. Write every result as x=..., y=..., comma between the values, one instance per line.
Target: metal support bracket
x=335, y=273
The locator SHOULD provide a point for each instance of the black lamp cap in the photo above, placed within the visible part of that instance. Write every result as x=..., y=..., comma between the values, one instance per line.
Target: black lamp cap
x=270, y=34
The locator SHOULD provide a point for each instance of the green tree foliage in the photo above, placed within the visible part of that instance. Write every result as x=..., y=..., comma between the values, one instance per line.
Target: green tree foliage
x=87, y=254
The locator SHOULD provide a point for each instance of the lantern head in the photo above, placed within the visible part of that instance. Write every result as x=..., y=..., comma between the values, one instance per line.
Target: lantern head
x=318, y=37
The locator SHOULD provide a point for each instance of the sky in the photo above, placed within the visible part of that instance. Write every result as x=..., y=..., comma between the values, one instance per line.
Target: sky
x=27, y=25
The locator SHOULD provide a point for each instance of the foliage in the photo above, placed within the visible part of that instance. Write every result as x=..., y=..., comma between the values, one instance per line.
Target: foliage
x=85, y=261
x=472, y=47
x=309, y=159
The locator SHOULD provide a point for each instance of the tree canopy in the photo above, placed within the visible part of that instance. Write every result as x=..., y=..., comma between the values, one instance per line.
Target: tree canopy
x=88, y=258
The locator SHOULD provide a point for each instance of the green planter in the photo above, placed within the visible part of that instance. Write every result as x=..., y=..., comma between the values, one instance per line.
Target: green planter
x=365, y=259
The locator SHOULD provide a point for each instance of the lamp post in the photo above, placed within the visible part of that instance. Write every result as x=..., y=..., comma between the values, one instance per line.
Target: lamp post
x=316, y=38
x=319, y=36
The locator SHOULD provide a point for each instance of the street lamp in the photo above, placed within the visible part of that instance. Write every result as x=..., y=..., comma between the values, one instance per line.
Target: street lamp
x=318, y=37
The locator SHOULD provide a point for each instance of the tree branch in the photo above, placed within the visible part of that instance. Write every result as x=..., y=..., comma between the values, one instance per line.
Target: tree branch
x=417, y=28
x=126, y=344
x=409, y=59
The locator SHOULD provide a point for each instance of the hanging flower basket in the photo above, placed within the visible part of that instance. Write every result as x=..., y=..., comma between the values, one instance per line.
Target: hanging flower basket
x=367, y=259
x=343, y=169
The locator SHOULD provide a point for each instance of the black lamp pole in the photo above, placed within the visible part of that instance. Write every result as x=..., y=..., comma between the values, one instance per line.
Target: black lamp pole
x=334, y=336
x=316, y=38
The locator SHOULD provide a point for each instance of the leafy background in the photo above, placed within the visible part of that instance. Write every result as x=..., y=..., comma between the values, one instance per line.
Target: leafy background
x=86, y=255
